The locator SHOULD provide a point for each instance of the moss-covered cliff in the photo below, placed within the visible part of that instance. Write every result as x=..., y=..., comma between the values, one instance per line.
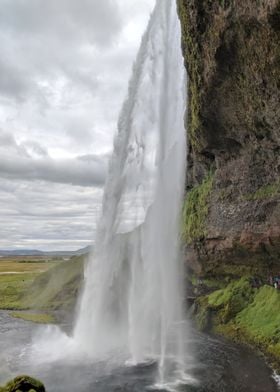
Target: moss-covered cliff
x=232, y=54
x=245, y=314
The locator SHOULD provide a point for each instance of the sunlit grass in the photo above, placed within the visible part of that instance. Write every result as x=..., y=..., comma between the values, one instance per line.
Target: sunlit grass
x=40, y=318
x=23, y=266
x=16, y=278
x=12, y=289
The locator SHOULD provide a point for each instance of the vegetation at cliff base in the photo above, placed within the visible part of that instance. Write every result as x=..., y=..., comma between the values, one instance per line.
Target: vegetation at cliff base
x=39, y=318
x=232, y=299
x=55, y=288
x=245, y=314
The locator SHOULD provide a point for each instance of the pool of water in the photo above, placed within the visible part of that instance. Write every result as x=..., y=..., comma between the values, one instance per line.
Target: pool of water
x=221, y=366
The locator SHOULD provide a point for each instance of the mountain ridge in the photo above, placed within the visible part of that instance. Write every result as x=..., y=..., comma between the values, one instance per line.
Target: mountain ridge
x=36, y=252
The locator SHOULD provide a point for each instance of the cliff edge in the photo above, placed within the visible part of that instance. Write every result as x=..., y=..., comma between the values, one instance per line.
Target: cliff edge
x=232, y=209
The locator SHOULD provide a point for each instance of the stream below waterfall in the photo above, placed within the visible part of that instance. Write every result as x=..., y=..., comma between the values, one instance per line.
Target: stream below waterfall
x=222, y=366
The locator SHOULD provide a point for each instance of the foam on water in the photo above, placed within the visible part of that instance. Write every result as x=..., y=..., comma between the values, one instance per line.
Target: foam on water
x=276, y=377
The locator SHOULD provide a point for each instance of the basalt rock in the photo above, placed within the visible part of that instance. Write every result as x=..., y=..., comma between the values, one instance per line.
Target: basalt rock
x=232, y=55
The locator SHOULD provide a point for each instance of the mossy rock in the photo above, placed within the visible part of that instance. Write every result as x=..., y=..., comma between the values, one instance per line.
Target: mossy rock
x=24, y=384
x=261, y=318
x=232, y=299
x=195, y=210
x=203, y=319
x=244, y=314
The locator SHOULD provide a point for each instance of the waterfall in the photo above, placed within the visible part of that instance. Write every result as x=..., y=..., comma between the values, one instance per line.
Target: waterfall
x=132, y=301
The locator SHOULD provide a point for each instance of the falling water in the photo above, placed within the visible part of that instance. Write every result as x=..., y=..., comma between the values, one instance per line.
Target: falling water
x=132, y=299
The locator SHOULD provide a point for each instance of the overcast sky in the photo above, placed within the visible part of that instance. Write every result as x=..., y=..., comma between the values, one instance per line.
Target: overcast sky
x=64, y=71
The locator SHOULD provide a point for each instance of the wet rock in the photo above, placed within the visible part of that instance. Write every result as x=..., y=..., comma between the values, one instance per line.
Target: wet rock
x=232, y=55
x=24, y=384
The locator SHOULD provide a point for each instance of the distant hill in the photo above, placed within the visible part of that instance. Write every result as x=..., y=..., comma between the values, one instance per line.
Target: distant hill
x=57, y=288
x=35, y=252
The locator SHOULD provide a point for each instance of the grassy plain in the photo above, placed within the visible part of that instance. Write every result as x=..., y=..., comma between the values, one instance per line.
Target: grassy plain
x=34, y=287
x=39, y=318
x=25, y=264
x=17, y=274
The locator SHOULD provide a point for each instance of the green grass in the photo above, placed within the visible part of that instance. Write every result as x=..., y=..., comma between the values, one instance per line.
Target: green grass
x=214, y=283
x=265, y=192
x=16, y=277
x=261, y=318
x=245, y=314
x=232, y=299
x=239, y=290
x=195, y=210
x=24, y=267
x=258, y=324
x=211, y=283
x=12, y=289
x=39, y=318
x=56, y=288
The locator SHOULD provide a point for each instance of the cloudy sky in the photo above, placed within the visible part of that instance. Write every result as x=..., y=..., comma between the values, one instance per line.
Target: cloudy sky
x=64, y=71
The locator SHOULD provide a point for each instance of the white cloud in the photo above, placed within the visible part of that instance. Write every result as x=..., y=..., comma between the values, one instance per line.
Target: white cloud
x=56, y=217
x=64, y=71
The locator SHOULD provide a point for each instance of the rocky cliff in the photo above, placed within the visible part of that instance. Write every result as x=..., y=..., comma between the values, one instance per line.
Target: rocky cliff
x=232, y=209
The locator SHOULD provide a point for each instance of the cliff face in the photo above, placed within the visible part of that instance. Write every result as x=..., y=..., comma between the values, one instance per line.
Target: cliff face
x=232, y=211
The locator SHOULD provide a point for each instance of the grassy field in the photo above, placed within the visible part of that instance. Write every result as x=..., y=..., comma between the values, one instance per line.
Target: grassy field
x=57, y=288
x=12, y=289
x=39, y=285
x=38, y=318
x=28, y=264
x=17, y=274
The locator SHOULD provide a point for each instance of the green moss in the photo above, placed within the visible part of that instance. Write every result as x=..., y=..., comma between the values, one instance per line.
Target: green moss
x=244, y=264
x=261, y=318
x=193, y=62
x=264, y=192
x=23, y=383
x=39, y=318
x=203, y=319
x=232, y=299
x=258, y=324
x=57, y=288
x=54, y=289
x=237, y=287
x=214, y=283
x=12, y=289
x=244, y=314
x=195, y=210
